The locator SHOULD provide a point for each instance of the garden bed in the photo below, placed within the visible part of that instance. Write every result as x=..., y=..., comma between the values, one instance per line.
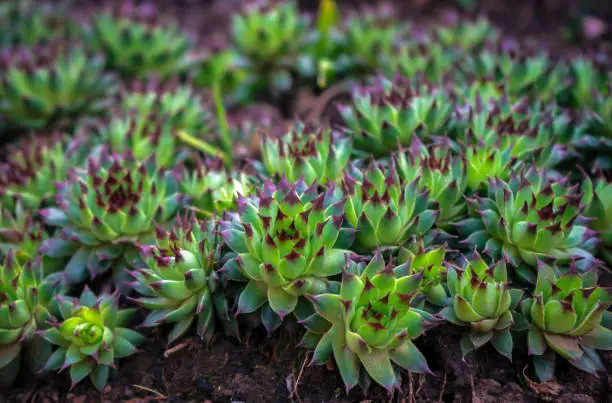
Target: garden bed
x=262, y=368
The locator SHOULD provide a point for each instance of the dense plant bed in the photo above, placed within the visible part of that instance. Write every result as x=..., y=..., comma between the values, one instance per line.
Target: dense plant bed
x=307, y=206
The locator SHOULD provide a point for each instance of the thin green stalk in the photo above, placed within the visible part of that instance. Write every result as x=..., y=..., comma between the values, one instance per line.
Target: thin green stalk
x=203, y=146
x=221, y=116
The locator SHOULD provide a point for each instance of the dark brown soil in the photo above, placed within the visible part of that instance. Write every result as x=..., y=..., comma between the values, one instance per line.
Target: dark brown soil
x=261, y=369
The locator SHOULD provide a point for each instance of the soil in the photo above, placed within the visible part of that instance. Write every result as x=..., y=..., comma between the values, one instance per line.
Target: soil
x=270, y=369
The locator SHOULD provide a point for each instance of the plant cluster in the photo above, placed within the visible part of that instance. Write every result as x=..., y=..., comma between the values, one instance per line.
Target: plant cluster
x=446, y=196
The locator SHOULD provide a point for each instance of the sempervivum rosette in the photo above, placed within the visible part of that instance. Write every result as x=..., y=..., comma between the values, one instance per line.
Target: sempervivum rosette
x=48, y=86
x=105, y=210
x=35, y=164
x=565, y=317
x=428, y=264
x=91, y=335
x=385, y=210
x=436, y=170
x=369, y=324
x=27, y=303
x=212, y=189
x=137, y=45
x=390, y=113
x=288, y=241
x=526, y=219
x=179, y=286
x=304, y=152
x=598, y=202
x=481, y=299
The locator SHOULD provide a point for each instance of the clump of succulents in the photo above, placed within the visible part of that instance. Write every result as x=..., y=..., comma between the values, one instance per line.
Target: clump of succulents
x=483, y=161
x=438, y=171
x=384, y=209
x=428, y=264
x=20, y=233
x=268, y=40
x=104, y=210
x=565, y=317
x=180, y=285
x=211, y=188
x=481, y=299
x=44, y=86
x=34, y=165
x=314, y=155
x=526, y=219
x=91, y=335
x=392, y=113
x=596, y=143
x=598, y=208
x=177, y=104
x=23, y=23
x=465, y=34
x=27, y=303
x=137, y=45
x=288, y=241
x=589, y=81
x=371, y=324
x=528, y=133
x=370, y=40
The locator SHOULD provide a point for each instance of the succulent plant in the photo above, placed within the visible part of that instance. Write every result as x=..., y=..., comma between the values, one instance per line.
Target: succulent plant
x=268, y=39
x=481, y=299
x=589, y=81
x=91, y=335
x=483, y=162
x=180, y=285
x=385, y=210
x=25, y=23
x=530, y=133
x=391, y=113
x=105, y=210
x=211, y=188
x=565, y=316
x=370, y=324
x=526, y=219
x=26, y=304
x=137, y=45
x=465, y=34
x=167, y=100
x=288, y=242
x=20, y=233
x=598, y=208
x=316, y=155
x=438, y=171
x=427, y=263
x=46, y=86
x=370, y=40
x=596, y=143
x=35, y=164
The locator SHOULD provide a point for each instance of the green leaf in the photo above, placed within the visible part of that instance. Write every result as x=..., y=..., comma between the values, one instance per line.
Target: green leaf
x=281, y=302
x=122, y=347
x=544, y=366
x=410, y=358
x=99, y=377
x=503, y=343
x=348, y=365
x=8, y=352
x=80, y=370
x=536, y=341
x=599, y=338
x=378, y=366
x=567, y=346
x=254, y=295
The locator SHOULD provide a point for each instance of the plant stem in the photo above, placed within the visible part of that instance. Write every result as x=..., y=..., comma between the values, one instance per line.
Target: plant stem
x=203, y=146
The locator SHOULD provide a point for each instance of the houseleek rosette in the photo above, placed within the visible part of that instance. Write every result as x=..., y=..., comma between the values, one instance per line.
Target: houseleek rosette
x=481, y=300
x=369, y=324
x=438, y=171
x=565, y=316
x=27, y=303
x=105, y=210
x=35, y=164
x=179, y=286
x=315, y=155
x=598, y=202
x=288, y=242
x=392, y=113
x=385, y=210
x=91, y=335
x=48, y=86
x=528, y=218
x=427, y=263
